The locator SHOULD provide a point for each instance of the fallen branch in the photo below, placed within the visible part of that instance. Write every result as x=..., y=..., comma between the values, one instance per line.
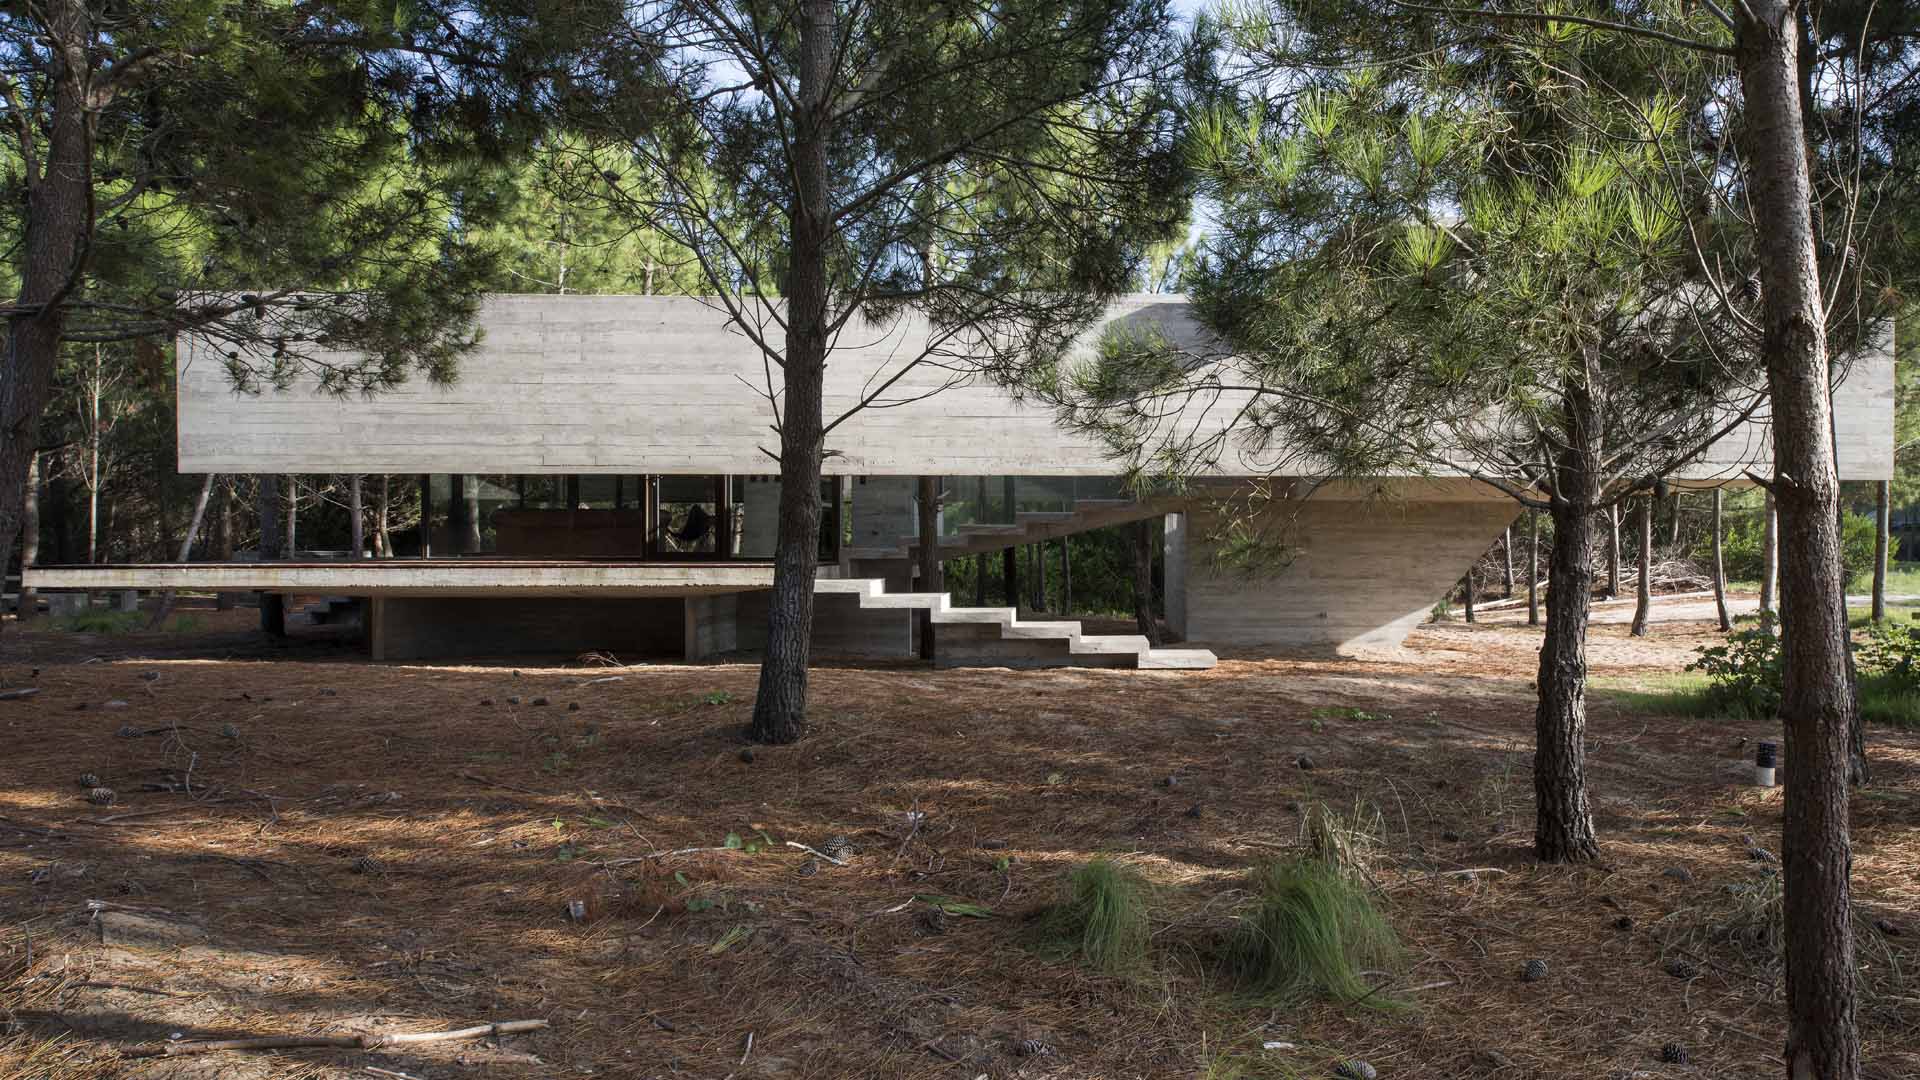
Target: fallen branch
x=19, y=695
x=816, y=854
x=345, y=1042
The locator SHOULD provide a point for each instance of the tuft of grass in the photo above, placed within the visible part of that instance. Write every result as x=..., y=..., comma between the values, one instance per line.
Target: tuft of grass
x=1885, y=701
x=1103, y=916
x=102, y=622
x=1309, y=931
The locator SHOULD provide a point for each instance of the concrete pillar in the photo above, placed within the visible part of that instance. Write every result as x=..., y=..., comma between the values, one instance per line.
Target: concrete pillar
x=1174, y=580
x=65, y=605
x=883, y=511
x=126, y=600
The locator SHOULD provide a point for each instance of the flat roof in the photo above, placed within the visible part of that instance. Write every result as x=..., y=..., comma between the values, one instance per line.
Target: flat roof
x=467, y=576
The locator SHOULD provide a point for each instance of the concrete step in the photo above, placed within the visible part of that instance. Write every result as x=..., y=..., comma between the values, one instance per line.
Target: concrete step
x=1177, y=660
x=852, y=586
x=1002, y=615
x=1027, y=631
x=1111, y=643
x=931, y=601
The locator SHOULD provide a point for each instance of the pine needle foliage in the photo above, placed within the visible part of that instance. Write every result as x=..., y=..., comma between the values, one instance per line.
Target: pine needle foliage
x=1310, y=931
x=1103, y=916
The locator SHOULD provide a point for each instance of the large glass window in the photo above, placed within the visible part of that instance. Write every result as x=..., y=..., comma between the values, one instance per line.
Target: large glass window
x=687, y=515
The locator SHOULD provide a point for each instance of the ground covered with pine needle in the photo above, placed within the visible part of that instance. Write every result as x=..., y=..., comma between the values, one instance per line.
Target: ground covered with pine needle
x=301, y=842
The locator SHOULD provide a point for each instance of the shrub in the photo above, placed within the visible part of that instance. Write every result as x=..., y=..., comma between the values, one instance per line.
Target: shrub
x=1310, y=930
x=1891, y=651
x=1744, y=675
x=1744, y=558
x=1104, y=915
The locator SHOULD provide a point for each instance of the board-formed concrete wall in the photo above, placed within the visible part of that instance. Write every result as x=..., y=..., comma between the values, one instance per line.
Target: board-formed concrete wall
x=624, y=384
x=1363, y=573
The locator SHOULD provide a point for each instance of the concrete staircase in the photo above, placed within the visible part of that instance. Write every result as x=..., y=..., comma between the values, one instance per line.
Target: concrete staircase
x=996, y=637
x=1028, y=527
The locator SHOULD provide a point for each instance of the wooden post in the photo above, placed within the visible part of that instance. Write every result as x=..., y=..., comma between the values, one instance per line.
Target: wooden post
x=1533, y=567
x=1769, y=563
x=356, y=512
x=1882, y=533
x=29, y=606
x=1719, y=563
x=426, y=515
x=1643, y=593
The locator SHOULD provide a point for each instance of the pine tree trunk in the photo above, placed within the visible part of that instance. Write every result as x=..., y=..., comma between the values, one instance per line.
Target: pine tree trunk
x=1882, y=533
x=1563, y=823
x=357, y=516
x=1506, y=549
x=168, y=598
x=223, y=541
x=980, y=580
x=1038, y=561
x=1769, y=562
x=1010, y=576
x=426, y=515
x=1613, y=552
x=1719, y=562
x=292, y=548
x=1066, y=575
x=1817, y=700
x=780, y=708
x=1643, y=583
x=1533, y=567
x=267, y=503
x=28, y=607
x=1470, y=616
x=928, y=518
x=1143, y=582
x=1673, y=527
x=382, y=519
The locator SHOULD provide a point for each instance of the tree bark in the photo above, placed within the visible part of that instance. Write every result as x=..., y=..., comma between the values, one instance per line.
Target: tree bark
x=780, y=708
x=28, y=607
x=1769, y=562
x=1563, y=822
x=1719, y=562
x=1643, y=583
x=1533, y=568
x=293, y=516
x=223, y=541
x=167, y=598
x=382, y=522
x=1882, y=533
x=426, y=515
x=1066, y=575
x=928, y=518
x=1038, y=560
x=1817, y=700
x=1673, y=527
x=357, y=515
x=1613, y=552
x=273, y=606
x=1470, y=616
x=1143, y=582
x=1506, y=549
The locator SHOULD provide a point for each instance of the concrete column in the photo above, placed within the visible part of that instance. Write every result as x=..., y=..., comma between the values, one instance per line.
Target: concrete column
x=126, y=600
x=883, y=511
x=1174, y=581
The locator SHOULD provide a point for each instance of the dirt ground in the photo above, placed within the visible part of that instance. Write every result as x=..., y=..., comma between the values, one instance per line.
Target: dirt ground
x=305, y=843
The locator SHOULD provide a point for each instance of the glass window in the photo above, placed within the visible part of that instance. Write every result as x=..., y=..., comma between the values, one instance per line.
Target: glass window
x=687, y=520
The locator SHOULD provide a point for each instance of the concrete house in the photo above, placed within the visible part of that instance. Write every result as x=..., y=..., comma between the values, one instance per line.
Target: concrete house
x=631, y=510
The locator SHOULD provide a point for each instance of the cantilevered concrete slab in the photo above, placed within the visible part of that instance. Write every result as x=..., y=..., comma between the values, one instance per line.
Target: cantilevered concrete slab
x=419, y=577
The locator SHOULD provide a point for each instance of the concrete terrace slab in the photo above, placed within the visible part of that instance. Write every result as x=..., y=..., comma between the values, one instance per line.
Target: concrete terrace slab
x=420, y=577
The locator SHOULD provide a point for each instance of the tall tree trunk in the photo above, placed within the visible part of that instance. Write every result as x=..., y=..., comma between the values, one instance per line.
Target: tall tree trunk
x=1769, y=562
x=1563, y=823
x=780, y=708
x=1533, y=567
x=382, y=522
x=58, y=226
x=1643, y=582
x=1882, y=533
x=1719, y=562
x=1506, y=549
x=1613, y=551
x=980, y=580
x=1066, y=575
x=1470, y=616
x=1817, y=699
x=167, y=598
x=426, y=515
x=1010, y=575
x=1673, y=527
x=28, y=608
x=267, y=505
x=1143, y=581
x=357, y=514
x=470, y=542
x=223, y=540
x=1037, y=560
x=293, y=516
x=928, y=518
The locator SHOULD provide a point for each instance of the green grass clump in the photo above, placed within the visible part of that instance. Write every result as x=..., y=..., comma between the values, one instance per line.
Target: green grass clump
x=102, y=622
x=1888, y=701
x=1309, y=931
x=1103, y=917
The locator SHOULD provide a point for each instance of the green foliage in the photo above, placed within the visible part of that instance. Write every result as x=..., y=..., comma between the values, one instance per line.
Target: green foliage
x=1744, y=676
x=1310, y=930
x=1744, y=555
x=102, y=622
x=1103, y=916
x=1891, y=651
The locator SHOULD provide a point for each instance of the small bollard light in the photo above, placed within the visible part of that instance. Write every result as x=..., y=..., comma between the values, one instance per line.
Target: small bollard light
x=1766, y=758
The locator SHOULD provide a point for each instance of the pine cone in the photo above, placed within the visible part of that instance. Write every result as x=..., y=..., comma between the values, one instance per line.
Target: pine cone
x=1535, y=970
x=1032, y=1048
x=88, y=780
x=101, y=796
x=1673, y=1054
x=1355, y=1069
x=1681, y=968
x=838, y=847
